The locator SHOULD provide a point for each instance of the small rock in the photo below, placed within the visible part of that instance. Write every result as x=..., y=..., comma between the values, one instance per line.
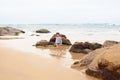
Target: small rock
x=42, y=31
x=42, y=43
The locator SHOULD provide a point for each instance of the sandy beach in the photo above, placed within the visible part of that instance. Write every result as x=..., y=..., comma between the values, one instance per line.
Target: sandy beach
x=18, y=65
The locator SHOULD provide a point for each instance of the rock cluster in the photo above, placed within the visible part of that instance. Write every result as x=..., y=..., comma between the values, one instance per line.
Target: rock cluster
x=103, y=63
x=65, y=41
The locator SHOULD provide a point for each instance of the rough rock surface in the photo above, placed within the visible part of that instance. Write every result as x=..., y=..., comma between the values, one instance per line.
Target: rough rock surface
x=107, y=64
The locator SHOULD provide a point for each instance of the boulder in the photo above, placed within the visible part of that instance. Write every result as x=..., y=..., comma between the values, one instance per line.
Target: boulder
x=10, y=31
x=65, y=41
x=103, y=63
x=80, y=47
x=42, y=31
x=42, y=43
x=109, y=43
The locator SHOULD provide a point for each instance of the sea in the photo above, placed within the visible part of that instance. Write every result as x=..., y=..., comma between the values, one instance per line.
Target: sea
x=75, y=32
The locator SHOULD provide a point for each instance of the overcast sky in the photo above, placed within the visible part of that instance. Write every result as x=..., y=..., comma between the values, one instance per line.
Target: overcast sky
x=59, y=11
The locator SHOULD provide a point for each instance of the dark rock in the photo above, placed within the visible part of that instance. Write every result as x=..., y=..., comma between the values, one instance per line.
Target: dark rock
x=43, y=31
x=42, y=43
x=10, y=31
x=109, y=43
x=65, y=41
x=80, y=47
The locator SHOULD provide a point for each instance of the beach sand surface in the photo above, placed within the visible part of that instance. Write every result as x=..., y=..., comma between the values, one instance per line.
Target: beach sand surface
x=18, y=65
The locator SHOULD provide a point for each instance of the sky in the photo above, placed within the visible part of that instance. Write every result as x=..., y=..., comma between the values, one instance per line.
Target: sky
x=59, y=11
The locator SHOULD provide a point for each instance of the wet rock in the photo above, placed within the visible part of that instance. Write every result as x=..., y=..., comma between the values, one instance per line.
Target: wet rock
x=80, y=47
x=42, y=31
x=42, y=43
x=65, y=41
x=109, y=43
x=10, y=31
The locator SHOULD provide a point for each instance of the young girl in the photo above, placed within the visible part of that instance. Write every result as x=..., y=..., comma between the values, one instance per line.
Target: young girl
x=58, y=40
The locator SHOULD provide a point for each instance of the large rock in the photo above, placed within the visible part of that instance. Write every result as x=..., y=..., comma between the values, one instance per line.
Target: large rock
x=42, y=31
x=65, y=41
x=103, y=63
x=9, y=31
x=80, y=47
x=109, y=43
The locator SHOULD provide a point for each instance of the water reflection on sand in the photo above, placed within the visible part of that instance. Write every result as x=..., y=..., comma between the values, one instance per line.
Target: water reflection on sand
x=59, y=52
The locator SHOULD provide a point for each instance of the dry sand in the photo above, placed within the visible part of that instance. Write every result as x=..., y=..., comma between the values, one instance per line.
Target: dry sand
x=18, y=65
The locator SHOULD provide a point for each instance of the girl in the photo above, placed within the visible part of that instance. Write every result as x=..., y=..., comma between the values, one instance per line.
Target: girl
x=58, y=39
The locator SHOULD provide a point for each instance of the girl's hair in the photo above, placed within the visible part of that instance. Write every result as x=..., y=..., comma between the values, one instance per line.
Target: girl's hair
x=58, y=33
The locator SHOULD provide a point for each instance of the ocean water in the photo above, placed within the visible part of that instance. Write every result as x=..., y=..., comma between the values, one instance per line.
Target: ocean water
x=75, y=32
